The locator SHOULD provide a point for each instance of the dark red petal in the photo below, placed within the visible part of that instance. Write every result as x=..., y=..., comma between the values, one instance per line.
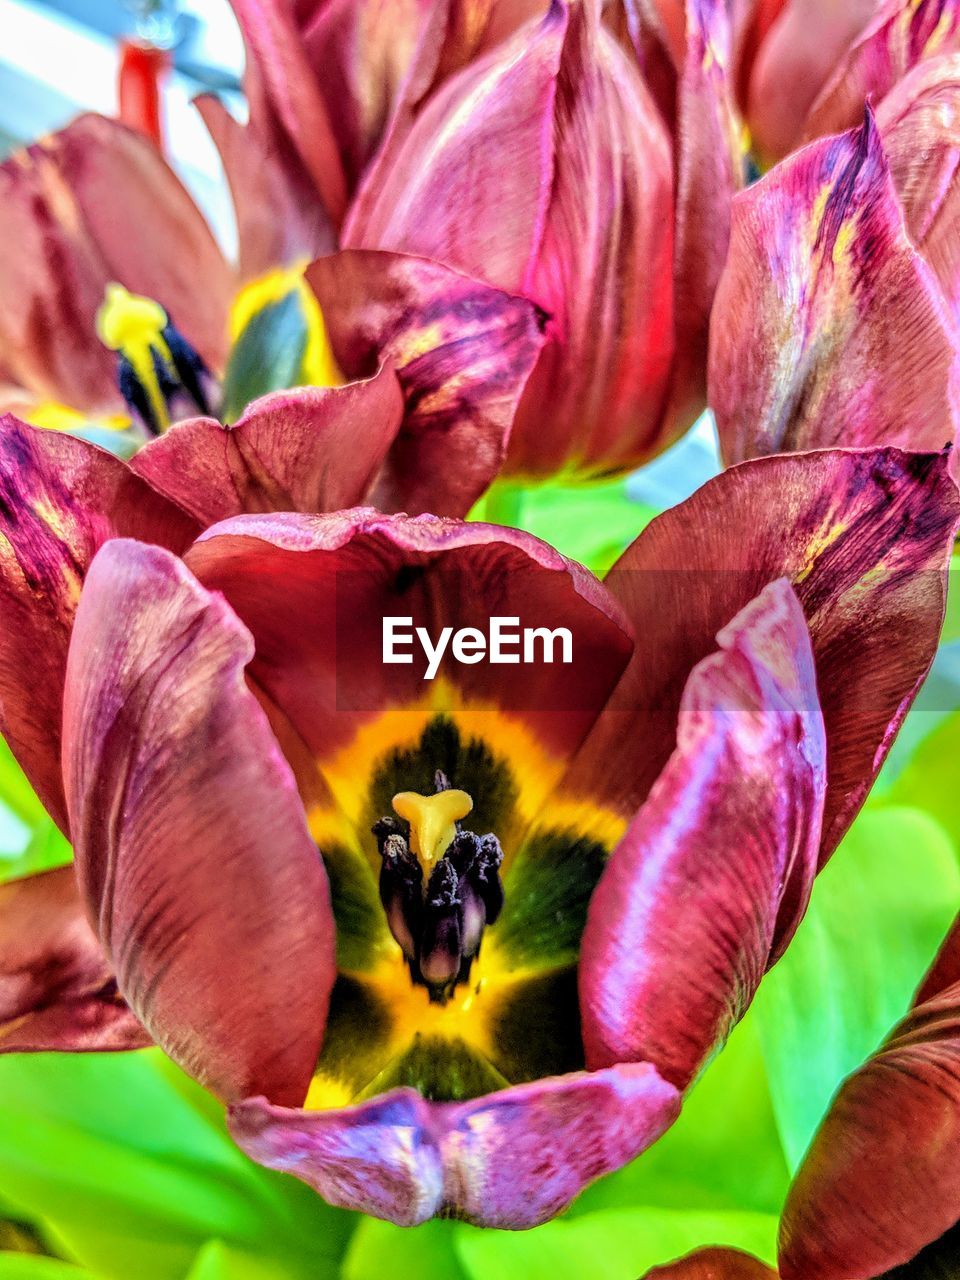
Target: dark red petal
x=510, y=1159
x=864, y=536
x=57, y=991
x=314, y=592
x=192, y=849
x=310, y=449
x=714, y=1264
x=463, y=353
x=718, y=864
x=829, y=328
x=945, y=970
x=882, y=1177
x=60, y=499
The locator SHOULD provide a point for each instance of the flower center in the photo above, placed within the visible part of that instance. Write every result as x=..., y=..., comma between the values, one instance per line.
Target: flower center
x=160, y=375
x=439, y=885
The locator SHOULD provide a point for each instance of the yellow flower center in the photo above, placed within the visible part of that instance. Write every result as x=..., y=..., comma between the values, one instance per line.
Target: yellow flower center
x=432, y=821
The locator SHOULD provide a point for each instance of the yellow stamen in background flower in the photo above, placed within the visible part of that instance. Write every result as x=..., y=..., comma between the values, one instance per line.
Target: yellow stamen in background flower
x=133, y=325
x=432, y=821
x=320, y=368
x=54, y=416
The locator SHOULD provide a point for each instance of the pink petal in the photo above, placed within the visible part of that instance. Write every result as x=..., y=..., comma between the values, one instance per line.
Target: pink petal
x=311, y=449
x=713, y=1264
x=920, y=124
x=511, y=1159
x=805, y=43
x=57, y=991
x=828, y=327
x=192, y=849
x=718, y=864
x=899, y=35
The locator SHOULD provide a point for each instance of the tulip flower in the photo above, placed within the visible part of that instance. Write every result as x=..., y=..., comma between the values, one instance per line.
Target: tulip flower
x=836, y=316
x=108, y=326
x=455, y=945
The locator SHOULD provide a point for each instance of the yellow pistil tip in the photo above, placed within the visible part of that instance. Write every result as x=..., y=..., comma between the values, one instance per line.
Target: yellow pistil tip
x=128, y=320
x=432, y=821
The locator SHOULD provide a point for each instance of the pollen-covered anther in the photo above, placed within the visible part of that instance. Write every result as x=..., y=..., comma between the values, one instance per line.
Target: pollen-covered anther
x=440, y=886
x=159, y=373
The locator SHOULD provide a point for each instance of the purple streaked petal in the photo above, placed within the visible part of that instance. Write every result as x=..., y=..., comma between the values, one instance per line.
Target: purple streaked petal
x=510, y=1160
x=60, y=500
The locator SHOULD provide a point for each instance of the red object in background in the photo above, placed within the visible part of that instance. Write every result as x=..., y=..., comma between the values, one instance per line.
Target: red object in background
x=143, y=68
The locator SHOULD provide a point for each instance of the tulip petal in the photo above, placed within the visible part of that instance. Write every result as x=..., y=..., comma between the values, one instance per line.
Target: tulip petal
x=511, y=1159
x=57, y=991
x=828, y=325
x=346, y=572
x=864, y=536
x=192, y=849
x=550, y=175
x=285, y=98
x=463, y=353
x=730, y=832
x=805, y=42
x=713, y=1264
x=709, y=172
x=882, y=1177
x=945, y=970
x=311, y=449
x=900, y=35
x=66, y=208
x=920, y=124
x=279, y=219
x=60, y=499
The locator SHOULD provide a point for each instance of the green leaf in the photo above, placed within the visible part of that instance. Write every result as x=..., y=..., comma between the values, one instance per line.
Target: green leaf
x=29, y=838
x=614, y=1244
x=929, y=781
x=268, y=355
x=379, y=1249
x=877, y=916
x=218, y=1261
x=592, y=522
x=724, y=1152
x=22, y=1266
x=126, y=1165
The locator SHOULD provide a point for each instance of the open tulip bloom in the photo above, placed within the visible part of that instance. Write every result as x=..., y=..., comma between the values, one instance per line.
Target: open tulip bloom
x=454, y=945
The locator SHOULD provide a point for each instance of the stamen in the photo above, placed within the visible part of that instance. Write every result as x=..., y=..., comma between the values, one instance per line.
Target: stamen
x=440, y=886
x=159, y=373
